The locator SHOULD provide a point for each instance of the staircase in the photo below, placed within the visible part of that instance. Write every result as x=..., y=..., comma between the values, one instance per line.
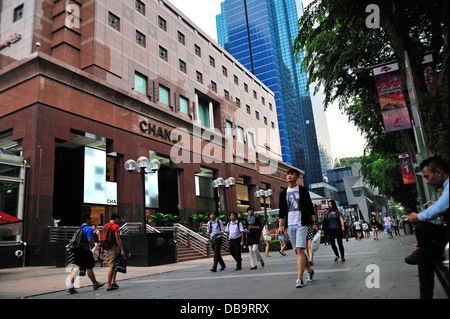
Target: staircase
x=190, y=245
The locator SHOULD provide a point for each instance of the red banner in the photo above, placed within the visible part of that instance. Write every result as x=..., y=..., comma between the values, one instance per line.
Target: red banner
x=393, y=105
x=407, y=169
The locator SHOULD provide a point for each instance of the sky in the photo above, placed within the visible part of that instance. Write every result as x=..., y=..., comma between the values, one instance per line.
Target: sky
x=346, y=140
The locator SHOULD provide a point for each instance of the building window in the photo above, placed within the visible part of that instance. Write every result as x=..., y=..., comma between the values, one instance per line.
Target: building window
x=162, y=23
x=199, y=77
x=240, y=134
x=198, y=51
x=265, y=120
x=254, y=94
x=224, y=71
x=236, y=80
x=238, y=102
x=184, y=105
x=228, y=128
x=163, y=53
x=203, y=115
x=273, y=125
x=257, y=115
x=140, y=38
x=245, y=87
x=182, y=66
x=114, y=21
x=212, y=62
x=213, y=86
x=263, y=100
x=270, y=106
x=164, y=95
x=18, y=13
x=140, y=7
x=140, y=83
x=251, y=139
x=181, y=38
x=226, y=95
x=248, y=109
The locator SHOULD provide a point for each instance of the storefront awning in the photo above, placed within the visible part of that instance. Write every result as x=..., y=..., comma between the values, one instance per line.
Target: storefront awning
x=8, y=219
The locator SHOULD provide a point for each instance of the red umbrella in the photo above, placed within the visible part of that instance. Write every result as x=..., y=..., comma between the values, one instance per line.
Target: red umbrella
x=5, y=218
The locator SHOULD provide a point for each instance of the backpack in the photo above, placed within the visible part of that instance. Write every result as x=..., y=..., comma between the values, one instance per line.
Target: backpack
x=77, y=241
x=106, y=239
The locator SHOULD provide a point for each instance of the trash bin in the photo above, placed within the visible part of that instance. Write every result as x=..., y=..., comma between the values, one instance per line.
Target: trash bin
x=407, y=228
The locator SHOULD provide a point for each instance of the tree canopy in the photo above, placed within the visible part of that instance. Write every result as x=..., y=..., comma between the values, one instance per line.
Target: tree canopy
x=341, y=47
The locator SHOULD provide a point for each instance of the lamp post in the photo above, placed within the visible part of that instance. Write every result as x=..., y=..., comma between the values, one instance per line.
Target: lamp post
x=264, y=193
x=223, y=184
x=141, y=166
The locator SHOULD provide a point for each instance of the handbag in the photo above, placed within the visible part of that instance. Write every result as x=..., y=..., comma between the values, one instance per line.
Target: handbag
x=120, y=264
x=315, y=244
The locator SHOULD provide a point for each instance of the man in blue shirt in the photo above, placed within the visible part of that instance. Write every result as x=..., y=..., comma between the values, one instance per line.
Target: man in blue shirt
x=431, y=238
x=84, y=259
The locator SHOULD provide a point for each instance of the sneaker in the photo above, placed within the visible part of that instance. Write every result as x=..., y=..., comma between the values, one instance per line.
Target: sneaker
x=98, y=285
x=309, y=275
x=299, y=283
x=71, y=290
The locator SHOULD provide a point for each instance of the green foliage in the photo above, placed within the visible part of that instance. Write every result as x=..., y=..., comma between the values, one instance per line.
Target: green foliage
x=164, y=219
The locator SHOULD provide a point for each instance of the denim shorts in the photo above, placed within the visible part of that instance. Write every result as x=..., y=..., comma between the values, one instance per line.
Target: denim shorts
x=297, y=234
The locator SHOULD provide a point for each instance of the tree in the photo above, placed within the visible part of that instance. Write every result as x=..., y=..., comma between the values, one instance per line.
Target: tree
x=339, y=52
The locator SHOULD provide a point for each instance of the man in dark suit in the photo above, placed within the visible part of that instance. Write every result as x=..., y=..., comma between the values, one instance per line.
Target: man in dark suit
x=296, y=208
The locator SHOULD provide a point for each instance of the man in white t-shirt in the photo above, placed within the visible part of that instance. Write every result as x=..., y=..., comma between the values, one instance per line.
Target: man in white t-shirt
x=297, y=209
x=388, y=224
x=358, y=229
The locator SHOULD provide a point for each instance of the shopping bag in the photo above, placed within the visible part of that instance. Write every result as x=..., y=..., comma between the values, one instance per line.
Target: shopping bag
x=316, y=241
x=120, y=264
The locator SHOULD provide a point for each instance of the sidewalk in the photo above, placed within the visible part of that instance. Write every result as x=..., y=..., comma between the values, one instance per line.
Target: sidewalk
x=342, y=280
x=31, y=281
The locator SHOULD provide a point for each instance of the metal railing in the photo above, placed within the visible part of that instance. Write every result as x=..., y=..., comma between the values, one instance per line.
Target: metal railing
x=181, y=234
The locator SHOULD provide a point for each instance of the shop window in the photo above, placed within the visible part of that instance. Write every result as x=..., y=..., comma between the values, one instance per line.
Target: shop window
x=111, y=169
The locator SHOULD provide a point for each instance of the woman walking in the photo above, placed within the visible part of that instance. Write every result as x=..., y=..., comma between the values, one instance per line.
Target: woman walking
x=266, y=237
x=335, y=228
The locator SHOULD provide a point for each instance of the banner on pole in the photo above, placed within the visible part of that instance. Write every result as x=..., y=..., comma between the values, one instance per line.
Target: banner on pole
x=393, y=104
x=407, y=169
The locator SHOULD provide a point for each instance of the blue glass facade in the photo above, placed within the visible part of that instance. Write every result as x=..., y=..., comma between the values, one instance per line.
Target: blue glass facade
x=260, y=35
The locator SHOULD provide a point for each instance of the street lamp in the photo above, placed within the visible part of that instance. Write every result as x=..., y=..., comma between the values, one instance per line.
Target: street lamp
x=264, y=193
x=141, y=166
x=224, y=183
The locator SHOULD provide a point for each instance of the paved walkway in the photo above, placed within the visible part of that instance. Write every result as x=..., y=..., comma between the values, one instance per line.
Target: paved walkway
x=349, y=279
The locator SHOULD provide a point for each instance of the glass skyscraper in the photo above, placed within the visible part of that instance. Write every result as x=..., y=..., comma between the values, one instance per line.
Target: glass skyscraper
x=260, y=35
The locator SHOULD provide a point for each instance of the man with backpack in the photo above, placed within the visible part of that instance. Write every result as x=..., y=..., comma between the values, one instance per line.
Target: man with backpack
x=215, y=230
x=235, y=238
x=83, y=257
x=111, y=243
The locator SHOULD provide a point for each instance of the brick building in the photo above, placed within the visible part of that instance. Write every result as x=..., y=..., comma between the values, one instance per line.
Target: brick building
x=86, y=85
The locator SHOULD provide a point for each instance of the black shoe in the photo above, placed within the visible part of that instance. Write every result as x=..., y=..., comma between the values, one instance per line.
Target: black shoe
x=253, y=268
x=213, y=269
x=238, y=267
x=411, y=259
